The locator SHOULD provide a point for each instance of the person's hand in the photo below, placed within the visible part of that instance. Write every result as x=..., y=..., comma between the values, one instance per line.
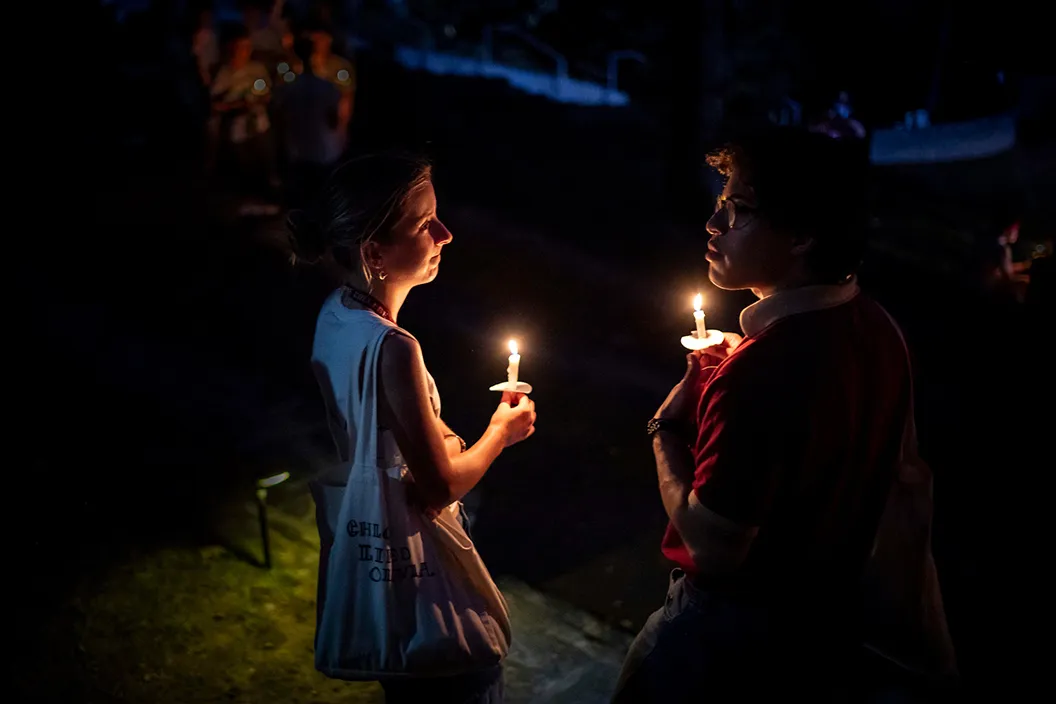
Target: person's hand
x=514, y=418
x=724, y=349
x=512, y=397
x=679, y=403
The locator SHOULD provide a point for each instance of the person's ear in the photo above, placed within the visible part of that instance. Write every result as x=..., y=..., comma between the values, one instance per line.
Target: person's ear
x=372, y=255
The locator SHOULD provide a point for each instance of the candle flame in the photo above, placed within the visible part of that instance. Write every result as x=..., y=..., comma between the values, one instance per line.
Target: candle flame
x=513, y=346
x=698, y=302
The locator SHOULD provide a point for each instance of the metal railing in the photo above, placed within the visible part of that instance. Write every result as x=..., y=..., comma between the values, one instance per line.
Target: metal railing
x=613, y=65
x=561, y=70
x=483, y=62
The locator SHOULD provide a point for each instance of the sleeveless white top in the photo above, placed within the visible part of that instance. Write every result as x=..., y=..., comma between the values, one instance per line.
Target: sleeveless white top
x=379, y=626
x=341, y=335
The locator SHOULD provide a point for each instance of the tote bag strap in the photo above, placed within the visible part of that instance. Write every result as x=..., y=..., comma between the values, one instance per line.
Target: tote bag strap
x=363, y=403
x=363, y=419
x=363, y=399
x=911, y=578
x=911, y=468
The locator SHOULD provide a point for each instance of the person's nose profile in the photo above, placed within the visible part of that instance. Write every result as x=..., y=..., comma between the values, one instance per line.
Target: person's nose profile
x=441, y=235
x=712, y=225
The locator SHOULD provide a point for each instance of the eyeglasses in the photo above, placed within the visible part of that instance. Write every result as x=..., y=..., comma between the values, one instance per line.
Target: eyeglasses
x=737, y=214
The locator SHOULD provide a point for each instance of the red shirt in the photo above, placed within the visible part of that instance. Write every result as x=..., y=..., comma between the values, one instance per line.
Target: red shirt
x=799, y=433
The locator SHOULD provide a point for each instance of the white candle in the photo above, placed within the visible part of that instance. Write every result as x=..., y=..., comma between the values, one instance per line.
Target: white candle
x=698, y=315
x=515, y=363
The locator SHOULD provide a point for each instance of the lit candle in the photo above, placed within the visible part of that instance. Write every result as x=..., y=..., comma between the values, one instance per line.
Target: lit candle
x=698, y=315
x=515, y=363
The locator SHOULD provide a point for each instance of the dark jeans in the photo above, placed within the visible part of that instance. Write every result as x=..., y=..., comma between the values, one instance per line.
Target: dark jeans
x=481, y=687
x=701, y=646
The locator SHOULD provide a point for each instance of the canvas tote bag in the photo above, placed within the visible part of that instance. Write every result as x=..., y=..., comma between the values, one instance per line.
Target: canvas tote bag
x=400, y=594
x=904, y=618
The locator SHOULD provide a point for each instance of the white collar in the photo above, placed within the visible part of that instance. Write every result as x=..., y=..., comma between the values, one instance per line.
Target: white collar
x=764, y=313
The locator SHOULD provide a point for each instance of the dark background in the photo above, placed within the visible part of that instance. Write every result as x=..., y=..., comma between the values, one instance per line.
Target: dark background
x=167, y=346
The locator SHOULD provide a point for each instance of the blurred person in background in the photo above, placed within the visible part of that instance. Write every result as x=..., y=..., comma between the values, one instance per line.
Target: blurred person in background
x=838, y=122
x=240, y=94
x=265, y=31
x=336, y=69
x=1013, y=270
x=312, y=117
x=1004, y=276
x=331, y=16
x=206, y=47
x=288, y=63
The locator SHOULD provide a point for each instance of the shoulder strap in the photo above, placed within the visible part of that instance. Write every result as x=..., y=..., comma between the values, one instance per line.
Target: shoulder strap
x=911, y=468
x=363, y=397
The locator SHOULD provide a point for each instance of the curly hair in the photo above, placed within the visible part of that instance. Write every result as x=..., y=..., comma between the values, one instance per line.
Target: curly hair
x=806, y=185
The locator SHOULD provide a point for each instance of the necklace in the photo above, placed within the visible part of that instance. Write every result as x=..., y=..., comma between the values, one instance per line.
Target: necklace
x=366, y=300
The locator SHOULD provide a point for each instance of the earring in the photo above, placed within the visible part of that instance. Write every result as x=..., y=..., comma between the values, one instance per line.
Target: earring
x=382, y=275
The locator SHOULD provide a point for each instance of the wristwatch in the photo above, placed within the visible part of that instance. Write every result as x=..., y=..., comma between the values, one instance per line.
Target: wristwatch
x=655, y=425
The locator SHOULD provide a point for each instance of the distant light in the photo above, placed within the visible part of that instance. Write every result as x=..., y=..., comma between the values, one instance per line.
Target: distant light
x=289, y=76
x=450, y=31
x=259, y=85
x=342, y=75
x=268, y=482
x=283, y=68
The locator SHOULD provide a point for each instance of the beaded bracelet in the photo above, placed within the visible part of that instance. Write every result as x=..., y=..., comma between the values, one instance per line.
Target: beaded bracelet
x=461, y=442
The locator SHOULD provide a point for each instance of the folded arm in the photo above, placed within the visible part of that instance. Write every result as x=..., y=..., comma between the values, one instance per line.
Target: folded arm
x=440, y=476
x=716, y=544
x=718, y=491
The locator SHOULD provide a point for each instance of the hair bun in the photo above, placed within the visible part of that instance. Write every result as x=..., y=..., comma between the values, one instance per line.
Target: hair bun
x=306, y=237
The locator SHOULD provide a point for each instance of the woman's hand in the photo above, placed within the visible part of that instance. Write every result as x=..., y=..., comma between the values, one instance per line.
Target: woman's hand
x=514, y=419
x=440, y=476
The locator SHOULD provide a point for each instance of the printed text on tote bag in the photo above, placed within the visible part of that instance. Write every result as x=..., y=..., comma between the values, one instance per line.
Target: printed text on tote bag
x=396, y=560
